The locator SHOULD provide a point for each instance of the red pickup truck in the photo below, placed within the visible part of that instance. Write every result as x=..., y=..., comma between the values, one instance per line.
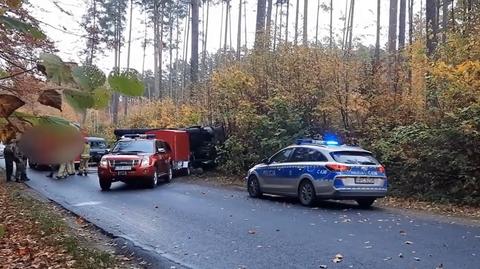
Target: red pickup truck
x=134, y=159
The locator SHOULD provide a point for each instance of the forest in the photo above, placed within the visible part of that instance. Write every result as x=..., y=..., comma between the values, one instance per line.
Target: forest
x=414, y=101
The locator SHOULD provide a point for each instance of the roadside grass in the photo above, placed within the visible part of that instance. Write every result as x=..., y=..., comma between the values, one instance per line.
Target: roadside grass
x=35, y=234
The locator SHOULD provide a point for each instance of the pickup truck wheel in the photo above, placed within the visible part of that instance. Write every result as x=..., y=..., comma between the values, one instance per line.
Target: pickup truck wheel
x=169, y=175
x=105, y=184
x=153, y=181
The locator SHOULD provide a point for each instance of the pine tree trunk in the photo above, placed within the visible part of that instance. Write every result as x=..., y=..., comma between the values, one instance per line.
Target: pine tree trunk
x=297, y=12
x=156, y=45
x=239, y=29
x=221, y=27
x=245, y=23
x=227, y=3
x=275, y=39
x=125, y=98
x=316, y=26
x=331, y=24
x=410, y=21
x=352, y=13
x=185, y=51
x=345, y=26
x=377, y=42
x=392, y=27
x=194, y=54
x=160, y=54
x=445, y=20
x=287, y=21
x=305, y=23
x=260, y=25
x=432, y=27
x=402, y=24
x=170, y=55
x=204, y=56
x=280, y=26
x=269, y=22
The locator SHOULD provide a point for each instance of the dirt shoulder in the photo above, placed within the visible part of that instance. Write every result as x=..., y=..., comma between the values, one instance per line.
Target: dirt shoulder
x=35, y=233
x=411, y=204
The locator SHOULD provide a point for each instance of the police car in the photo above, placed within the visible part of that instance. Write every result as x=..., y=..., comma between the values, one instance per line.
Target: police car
x=315, y=169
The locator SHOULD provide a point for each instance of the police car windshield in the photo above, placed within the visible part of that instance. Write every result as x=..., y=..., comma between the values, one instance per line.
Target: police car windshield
x=354, y=157
x=134, y=146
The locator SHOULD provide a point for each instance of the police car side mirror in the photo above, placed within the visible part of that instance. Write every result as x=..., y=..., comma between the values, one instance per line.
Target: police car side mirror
x=161, y=150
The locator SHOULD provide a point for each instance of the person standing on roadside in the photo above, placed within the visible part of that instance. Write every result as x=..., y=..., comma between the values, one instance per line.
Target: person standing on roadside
x=84, y=158
x=8, y=153
x=71, y=168
x=20, y=163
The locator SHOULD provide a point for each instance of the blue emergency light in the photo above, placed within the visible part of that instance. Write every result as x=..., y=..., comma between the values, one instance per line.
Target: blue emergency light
x=309, y=141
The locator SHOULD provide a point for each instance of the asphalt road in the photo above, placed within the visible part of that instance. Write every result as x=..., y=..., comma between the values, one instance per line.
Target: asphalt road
x=200, y=226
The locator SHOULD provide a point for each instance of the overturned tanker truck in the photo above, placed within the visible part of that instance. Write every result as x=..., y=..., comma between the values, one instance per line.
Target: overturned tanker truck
x=202, y=143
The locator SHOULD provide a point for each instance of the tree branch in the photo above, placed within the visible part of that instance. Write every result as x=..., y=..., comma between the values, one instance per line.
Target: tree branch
x=18, y=74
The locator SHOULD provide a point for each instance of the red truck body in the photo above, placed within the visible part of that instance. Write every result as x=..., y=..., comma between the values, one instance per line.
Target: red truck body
x=178, y=141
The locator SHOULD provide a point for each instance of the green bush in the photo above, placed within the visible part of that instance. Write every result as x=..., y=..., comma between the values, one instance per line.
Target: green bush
x=440, y=161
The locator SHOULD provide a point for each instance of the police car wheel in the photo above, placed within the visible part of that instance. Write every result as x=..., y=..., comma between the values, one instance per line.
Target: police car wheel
x=253, y=187
x=306, y=193
x=365, y=202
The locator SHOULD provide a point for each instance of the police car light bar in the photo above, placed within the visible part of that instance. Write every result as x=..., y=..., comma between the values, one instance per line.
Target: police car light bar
x=309, y=141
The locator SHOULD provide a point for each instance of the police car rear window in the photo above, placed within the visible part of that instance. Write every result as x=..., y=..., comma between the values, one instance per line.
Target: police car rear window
x=354, y=157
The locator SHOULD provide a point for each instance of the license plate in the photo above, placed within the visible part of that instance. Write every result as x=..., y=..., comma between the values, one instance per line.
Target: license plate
x=122, y=173
x=364, y=180
x=123, y=168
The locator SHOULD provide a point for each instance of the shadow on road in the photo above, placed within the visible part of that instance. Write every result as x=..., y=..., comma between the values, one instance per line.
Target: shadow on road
x=324, y=204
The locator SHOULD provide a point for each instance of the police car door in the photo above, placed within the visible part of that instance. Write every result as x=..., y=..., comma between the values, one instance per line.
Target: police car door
x=298, y=165
x=274, y=173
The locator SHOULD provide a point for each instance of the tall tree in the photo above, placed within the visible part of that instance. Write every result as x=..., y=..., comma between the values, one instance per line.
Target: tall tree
x=227, y=3
x=432, y=26
x=129, y=44
x=316, y=26
x=90, y=24
x=239, y=29
x=331, y=24
x=286, y=21
x=268, y=28
x=410, y=21
x=297, y=13
x=392, y=27
x=377, y=42
x=445, y=14
x=402, y=24
x=305, y=22
x=275, y=36
x=194, y=54
x=260, y=25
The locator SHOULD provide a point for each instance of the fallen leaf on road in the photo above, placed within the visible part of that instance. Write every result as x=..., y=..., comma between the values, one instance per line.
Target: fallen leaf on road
x=408, y=242
x=368, y=247
x=323, y=266
x=387, y=258
x=403, y=232
x=416, y=258
x=252, y=232
x=400, y=255
x=338, y=258
x=440, y=266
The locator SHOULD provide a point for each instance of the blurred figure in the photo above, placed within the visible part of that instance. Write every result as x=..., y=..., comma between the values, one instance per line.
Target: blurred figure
x=20, y=163
x=62, y=172
x=84, y=158
x=71, y=168
x=9, y=159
